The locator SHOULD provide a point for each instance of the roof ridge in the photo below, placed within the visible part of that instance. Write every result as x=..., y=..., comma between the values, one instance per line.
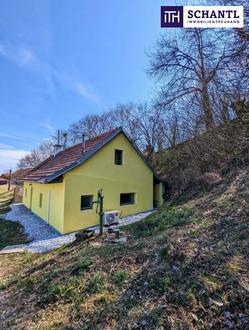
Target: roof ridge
x=97, y=136
x=96, y=141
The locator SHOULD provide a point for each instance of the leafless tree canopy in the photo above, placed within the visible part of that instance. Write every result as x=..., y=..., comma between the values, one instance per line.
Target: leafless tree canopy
x=37, y=155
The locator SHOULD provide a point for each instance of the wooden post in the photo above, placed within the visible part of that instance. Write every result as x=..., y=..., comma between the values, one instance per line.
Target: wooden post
x=9, y=180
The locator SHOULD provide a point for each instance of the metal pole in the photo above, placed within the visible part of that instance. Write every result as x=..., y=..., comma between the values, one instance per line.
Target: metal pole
x=101, y=213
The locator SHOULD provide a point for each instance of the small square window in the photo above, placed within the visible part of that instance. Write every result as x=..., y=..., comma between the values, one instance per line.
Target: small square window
x=118, y=157
x=40, y=200
x=86, y=202
x=127, y=199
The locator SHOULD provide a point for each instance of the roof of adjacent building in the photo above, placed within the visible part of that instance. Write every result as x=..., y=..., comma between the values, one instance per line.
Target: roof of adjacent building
x=21, y=173
x=4, y=176
x=67, y=159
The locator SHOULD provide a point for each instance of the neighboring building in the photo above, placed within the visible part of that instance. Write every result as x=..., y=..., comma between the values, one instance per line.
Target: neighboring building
x=61, y=189
x=3, y=180
x=17, y=180
x=4, y=176
x=18, y=175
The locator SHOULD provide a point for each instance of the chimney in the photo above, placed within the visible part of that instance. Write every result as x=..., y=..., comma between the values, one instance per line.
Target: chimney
x=58, y=146
x=65, y=140
x=83, y=145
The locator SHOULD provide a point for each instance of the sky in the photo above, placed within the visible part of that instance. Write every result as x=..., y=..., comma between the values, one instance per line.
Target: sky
x=62, y=59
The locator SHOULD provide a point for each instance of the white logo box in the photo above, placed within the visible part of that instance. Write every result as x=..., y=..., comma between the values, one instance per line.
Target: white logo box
x=212, y=16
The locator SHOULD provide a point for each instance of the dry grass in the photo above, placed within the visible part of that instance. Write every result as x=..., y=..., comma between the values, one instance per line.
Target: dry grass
x=183, y=268
x=4, y=187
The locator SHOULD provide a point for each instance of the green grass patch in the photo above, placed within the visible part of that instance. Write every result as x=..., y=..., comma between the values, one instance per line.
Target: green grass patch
x=159, y=221
x=83, y=266
x=96, y=284
x=118, y=277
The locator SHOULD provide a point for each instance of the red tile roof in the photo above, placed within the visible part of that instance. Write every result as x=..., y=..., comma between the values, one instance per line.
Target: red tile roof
x=21, y=173
x=4, y=176
x=68, y=158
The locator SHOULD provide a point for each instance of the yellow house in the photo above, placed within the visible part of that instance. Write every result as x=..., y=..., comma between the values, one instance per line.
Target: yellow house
x=62, y=188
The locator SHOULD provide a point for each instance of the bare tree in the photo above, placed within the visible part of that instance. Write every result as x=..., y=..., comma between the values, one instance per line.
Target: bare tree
x=37, y=155
x=144, y=123
x=187, y=66
x=95, y=124
x=91, y=126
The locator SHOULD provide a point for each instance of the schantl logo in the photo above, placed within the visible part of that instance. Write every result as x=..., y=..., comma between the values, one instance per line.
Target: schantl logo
x=202, y=16
x=172, y=16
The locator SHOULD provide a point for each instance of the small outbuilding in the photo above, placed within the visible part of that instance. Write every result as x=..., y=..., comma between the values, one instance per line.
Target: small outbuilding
x=3, y=181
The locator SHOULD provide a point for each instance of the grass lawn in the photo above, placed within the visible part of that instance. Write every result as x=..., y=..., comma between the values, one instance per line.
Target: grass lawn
x=11, y=233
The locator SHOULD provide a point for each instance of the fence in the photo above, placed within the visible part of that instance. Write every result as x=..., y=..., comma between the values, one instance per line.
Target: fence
x=6, y=198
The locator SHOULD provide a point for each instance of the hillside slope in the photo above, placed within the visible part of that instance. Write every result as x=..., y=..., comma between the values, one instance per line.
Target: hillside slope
x=184, y=267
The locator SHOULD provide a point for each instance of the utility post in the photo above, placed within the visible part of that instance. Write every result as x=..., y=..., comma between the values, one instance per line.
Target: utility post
x=9, y=178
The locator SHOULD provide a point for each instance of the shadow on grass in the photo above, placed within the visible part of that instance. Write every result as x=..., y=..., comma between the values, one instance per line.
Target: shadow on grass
x=11, y=233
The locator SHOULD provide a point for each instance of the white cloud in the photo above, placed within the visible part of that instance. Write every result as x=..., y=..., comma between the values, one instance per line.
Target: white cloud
x=86, y=92
x=72, y=82
x=48, y=126
x=10, y=136
x=3, y=50
x=9, y=158
x=5, y=146
x=22, y=56
x=25, y=57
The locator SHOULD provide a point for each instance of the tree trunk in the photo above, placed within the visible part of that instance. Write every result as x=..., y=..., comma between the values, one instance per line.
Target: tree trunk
x=224, y=111
x=208, y=113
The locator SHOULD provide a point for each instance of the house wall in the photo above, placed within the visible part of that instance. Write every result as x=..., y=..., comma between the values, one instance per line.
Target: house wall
x=134, y=176
x=52, y=209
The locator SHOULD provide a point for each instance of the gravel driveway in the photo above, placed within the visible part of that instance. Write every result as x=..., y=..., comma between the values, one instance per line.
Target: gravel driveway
x=44, y=237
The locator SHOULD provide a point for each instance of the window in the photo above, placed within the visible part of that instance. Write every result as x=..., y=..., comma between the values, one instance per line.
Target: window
x=40, y=200
x=126, y=199
x=86, y=202
x=118, y=157
x=25, y=192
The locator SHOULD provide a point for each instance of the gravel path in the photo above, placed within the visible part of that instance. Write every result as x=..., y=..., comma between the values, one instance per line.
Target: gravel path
x=134, y=218
x=45, y=238
x=41, y=246
x=127, y=220
x=35, y=228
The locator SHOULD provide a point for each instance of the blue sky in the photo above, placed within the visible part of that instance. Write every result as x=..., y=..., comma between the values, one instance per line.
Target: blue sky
x=62, y=59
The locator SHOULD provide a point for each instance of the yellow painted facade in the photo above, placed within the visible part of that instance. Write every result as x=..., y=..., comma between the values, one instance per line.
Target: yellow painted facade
x=61, y=201
x=51, y=208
